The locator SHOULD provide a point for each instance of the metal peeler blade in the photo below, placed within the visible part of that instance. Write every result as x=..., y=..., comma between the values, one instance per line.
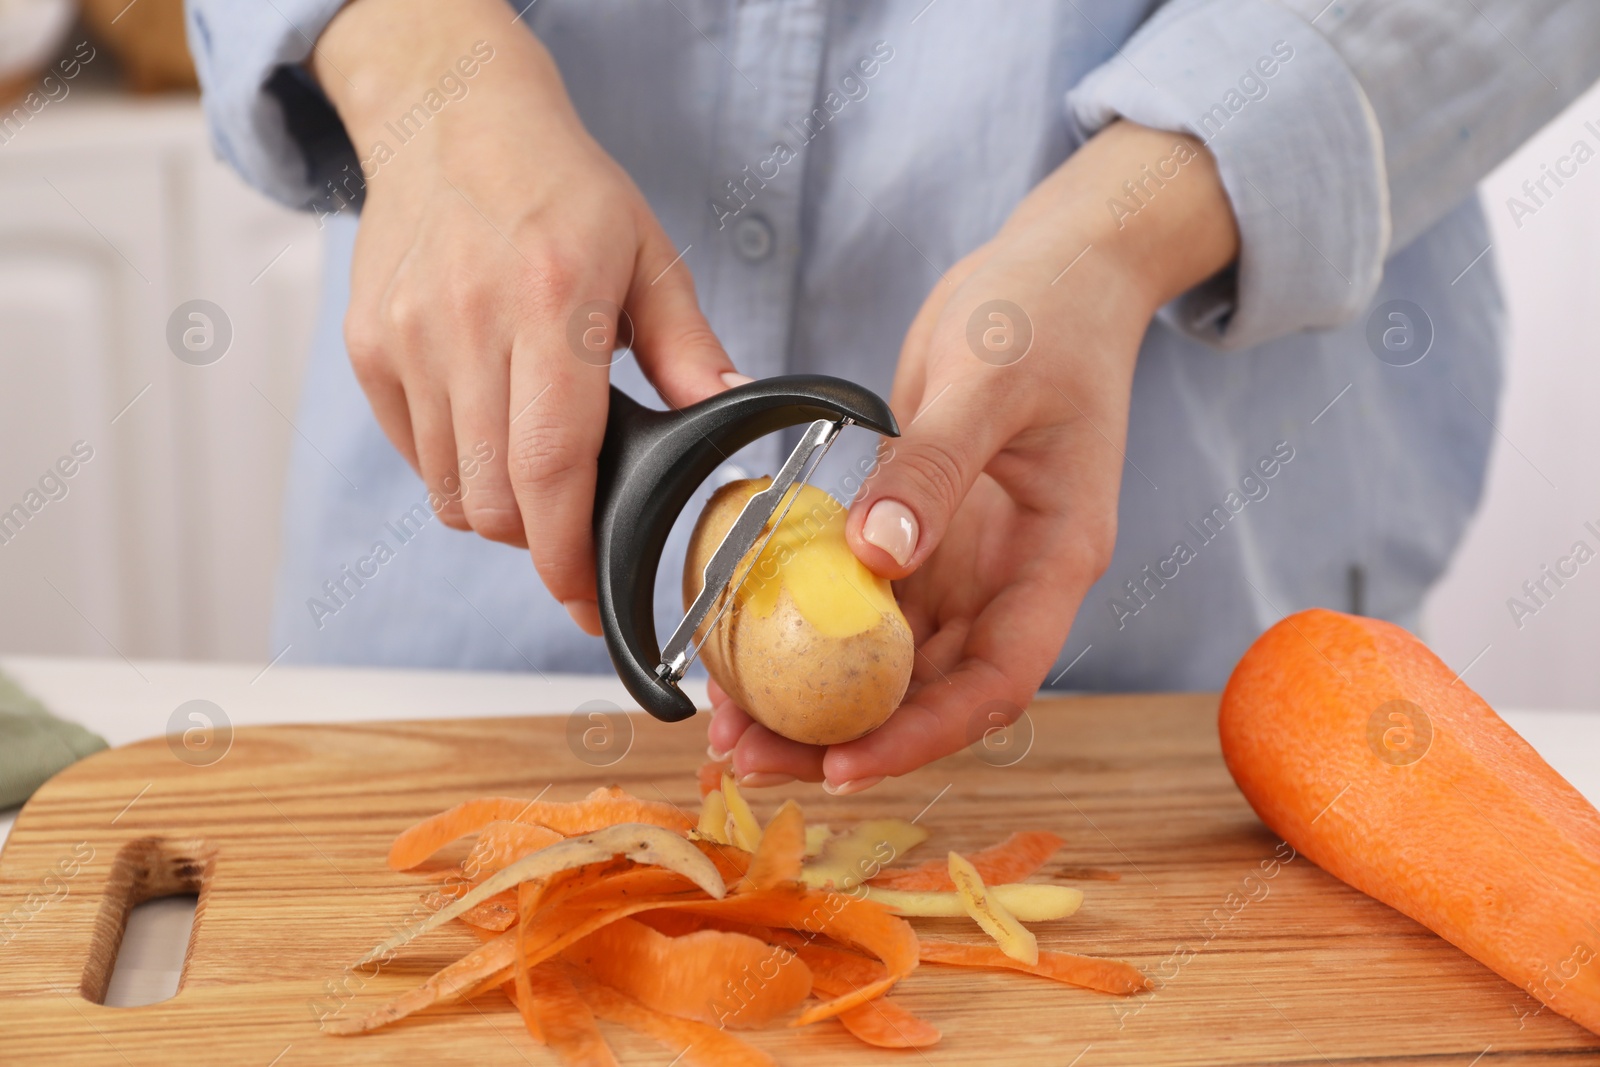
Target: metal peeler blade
x=650, y=465
x=755, y=523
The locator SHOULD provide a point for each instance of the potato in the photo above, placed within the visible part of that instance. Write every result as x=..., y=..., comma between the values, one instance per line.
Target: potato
x=814, y=646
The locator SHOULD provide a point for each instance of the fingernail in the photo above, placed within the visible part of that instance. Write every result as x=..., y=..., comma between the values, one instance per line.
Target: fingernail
x=586, y=613
x=731, y=378
x=891, y=526
x=854, y=785
x=761, y=780
x=715, y=756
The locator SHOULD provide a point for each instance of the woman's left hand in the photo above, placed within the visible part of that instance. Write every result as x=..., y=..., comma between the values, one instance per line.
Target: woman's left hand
x=997, y=508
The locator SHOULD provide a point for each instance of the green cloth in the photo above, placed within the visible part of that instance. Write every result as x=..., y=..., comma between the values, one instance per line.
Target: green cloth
x=34, y=744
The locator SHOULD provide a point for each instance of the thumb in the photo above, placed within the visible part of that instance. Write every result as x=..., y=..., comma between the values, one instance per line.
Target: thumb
x=673, y=342
x=922, y=477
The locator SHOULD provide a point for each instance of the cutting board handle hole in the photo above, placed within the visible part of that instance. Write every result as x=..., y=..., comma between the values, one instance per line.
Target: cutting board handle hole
x=153, y=901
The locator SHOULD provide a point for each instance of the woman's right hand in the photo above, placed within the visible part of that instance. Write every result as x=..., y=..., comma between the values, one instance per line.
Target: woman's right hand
x=497, y=241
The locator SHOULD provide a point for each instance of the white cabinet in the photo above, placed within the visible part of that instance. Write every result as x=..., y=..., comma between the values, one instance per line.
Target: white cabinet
x=112, y=214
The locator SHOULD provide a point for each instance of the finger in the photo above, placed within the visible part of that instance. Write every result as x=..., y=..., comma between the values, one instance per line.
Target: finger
x=728, y=724
x=922, y=476
x=764, y=758
x=435, y=440
x=369, y=348
x=673, y=342
x=558, y=417
x=387, y=398
x=480, y=403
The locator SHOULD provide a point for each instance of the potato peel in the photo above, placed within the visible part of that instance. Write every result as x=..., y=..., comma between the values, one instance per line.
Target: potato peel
x=1014, y=939
x=853, y=857
x=743, y=829
x=1028, y=903
x=1012, y=860
x=713, y=824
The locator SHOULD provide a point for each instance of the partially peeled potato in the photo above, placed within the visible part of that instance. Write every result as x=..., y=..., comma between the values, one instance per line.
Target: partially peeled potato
x=814, y=646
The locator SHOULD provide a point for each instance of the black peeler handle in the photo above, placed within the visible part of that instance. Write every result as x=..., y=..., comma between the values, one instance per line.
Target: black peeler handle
x=650, y=465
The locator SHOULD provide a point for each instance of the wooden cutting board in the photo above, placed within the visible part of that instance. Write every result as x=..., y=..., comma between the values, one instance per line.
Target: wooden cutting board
x=1262, y=958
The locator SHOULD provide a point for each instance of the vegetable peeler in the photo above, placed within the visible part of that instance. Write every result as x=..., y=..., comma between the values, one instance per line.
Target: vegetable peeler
x=650, y=465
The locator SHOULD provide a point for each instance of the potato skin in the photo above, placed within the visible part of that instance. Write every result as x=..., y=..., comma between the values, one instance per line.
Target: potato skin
x=790, y=677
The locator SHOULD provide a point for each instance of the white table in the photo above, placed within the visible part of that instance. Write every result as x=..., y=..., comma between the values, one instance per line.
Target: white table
x=126, y=702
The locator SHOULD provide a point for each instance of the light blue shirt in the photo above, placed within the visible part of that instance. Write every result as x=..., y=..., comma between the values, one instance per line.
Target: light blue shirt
x=821, y=165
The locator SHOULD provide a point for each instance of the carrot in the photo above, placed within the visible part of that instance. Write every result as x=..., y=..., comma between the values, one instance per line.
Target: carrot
x=1012, y=860
x=495, y=961
x=841, y=917
x=837, y=964
x=699, y=1045
x=535, y=896
x=676, y=923
x=732, y=863
x=1365, y=752
x=884, y=1024
x=782, y=850
x=528, y=1005
x=1087, y=972
x=489, y=964
x=600, y=809
x=558, y=1016
x=687, y=975
x=879, y=1022
x=485, y=966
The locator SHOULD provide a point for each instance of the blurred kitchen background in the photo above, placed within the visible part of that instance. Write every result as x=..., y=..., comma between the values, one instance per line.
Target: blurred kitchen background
x=162, y=544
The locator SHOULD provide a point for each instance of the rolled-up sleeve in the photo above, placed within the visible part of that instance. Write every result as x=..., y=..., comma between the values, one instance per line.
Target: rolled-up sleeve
x=1341, y=131
x=266, y=115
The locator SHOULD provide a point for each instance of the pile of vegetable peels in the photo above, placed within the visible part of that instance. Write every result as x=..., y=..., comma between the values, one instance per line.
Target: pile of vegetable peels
x=628, y=910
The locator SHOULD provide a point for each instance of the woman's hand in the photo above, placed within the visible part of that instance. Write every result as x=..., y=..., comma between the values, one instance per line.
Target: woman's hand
x=497, y=242
x=997, y=508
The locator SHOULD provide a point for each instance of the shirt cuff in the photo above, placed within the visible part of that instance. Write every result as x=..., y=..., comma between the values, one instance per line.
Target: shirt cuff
x=266, y=114
x=1298, y=148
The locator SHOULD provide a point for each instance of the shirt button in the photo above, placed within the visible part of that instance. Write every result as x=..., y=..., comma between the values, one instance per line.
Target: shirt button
x=752, y=238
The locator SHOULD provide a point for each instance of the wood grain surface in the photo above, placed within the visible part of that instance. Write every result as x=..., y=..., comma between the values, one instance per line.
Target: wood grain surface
x=1261, y=958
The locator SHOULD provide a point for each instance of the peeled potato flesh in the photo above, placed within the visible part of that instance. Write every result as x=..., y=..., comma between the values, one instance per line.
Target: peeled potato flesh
x=814, y=646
